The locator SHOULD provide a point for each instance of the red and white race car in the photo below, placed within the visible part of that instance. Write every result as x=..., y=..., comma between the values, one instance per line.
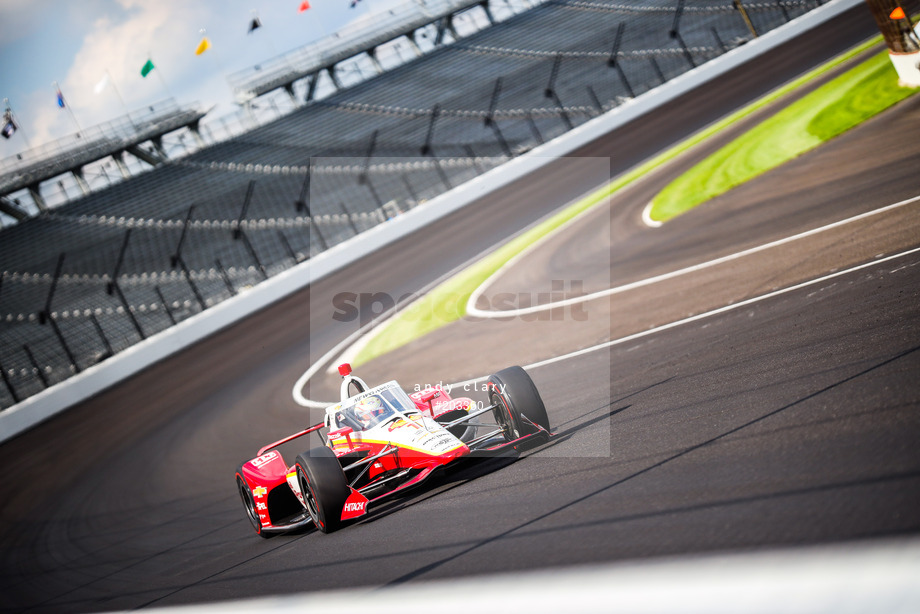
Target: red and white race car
x=381, y=441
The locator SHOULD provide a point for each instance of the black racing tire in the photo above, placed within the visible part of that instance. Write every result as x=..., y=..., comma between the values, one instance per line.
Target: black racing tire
x=514, y=395
x=249, y=504
x=324, y=487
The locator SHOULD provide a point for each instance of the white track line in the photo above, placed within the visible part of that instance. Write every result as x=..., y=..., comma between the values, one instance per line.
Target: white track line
x=472, y=311
x=633, y=337
x=349, y=345
x=647, y=217
x=720, y=310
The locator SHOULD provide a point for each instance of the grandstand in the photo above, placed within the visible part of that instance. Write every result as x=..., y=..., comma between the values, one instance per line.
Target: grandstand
x=87, y=279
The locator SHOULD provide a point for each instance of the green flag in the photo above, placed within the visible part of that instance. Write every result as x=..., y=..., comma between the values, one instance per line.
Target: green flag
x=147, y=68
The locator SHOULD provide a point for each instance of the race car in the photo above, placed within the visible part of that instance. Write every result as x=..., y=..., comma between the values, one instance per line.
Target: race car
x=381, y=441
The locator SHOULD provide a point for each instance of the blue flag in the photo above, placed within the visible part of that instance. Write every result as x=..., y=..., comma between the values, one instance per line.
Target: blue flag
x=9, y=126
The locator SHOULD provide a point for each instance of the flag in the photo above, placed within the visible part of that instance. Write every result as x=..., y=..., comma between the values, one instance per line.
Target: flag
x=354, y=3
x=148, y=67
x=9, y=126
x=103, y=83
x=254, y=25
x=60, y=99
x=203, y=46
x=303, y=6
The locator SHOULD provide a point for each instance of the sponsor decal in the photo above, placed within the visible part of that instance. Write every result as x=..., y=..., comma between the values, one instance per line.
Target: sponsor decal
x=402, y=423
x=259, y=492
x=261, y=506
x=355, y=505
x=265, y=458
x=398, y=424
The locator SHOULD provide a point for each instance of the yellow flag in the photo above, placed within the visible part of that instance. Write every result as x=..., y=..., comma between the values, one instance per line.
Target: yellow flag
x=203, y=46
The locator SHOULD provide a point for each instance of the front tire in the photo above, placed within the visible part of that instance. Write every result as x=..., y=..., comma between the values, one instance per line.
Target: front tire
x=517, y=403
x=249, y=503
x=324, y=488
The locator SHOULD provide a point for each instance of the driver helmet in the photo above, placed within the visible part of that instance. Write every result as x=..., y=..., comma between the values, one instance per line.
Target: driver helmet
x=367, y=409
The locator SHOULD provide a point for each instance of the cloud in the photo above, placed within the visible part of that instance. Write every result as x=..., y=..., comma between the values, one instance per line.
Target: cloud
x=120, y=42
x=17, y=23
x=118, y=36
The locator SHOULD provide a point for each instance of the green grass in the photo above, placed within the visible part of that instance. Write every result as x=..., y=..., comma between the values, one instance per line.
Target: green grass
x=855, y=96
x=447, y=302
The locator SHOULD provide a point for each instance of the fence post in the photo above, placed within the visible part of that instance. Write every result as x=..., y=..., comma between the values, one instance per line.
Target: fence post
x=177, y=257
x=127, y=308
x=658, y=69
x=188, y=278
x=675, y=25
x=287, y=246
x=550, y=91
x=121, y=258
x=719, y=41
x=225, y=277
x=782, y=7
x=441, y=173
x=45, y=314
x=373, y=191
x=472, y=156
x=496, y=92
x=597, y=101
x=315, y=226
x=562, y=112
x=680, y=39
x=252, y=252
x=534, y=128
x=506, y=149
x=304, y=201
x=351, y=222
x=162, y=298
x=612, y=60
x=38, y=370
x=239, y=222
x=675, y=33
x=60, y=336
x=367, y=158
x=550, y=87
x=105, y=341
x=435, y=111
x=409, y=188
x=9, y=384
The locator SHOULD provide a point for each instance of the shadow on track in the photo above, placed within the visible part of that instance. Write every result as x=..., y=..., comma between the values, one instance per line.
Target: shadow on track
x=416, y=573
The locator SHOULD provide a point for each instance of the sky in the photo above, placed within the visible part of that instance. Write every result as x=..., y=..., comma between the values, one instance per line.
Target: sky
x=75, y=43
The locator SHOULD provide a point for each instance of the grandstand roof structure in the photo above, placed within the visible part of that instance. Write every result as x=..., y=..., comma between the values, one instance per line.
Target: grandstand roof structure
x=70, y=154
x=307, y=62
x=87, y=279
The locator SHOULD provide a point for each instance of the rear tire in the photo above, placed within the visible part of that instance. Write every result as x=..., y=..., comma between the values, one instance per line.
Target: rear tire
x=515, y=397
x=249, y=504
x=324, y=487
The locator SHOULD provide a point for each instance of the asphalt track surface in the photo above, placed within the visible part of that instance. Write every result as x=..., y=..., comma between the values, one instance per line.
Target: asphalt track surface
x=788, y=422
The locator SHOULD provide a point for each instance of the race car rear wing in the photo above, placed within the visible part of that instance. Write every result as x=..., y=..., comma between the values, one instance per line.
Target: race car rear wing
x=315, y=427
